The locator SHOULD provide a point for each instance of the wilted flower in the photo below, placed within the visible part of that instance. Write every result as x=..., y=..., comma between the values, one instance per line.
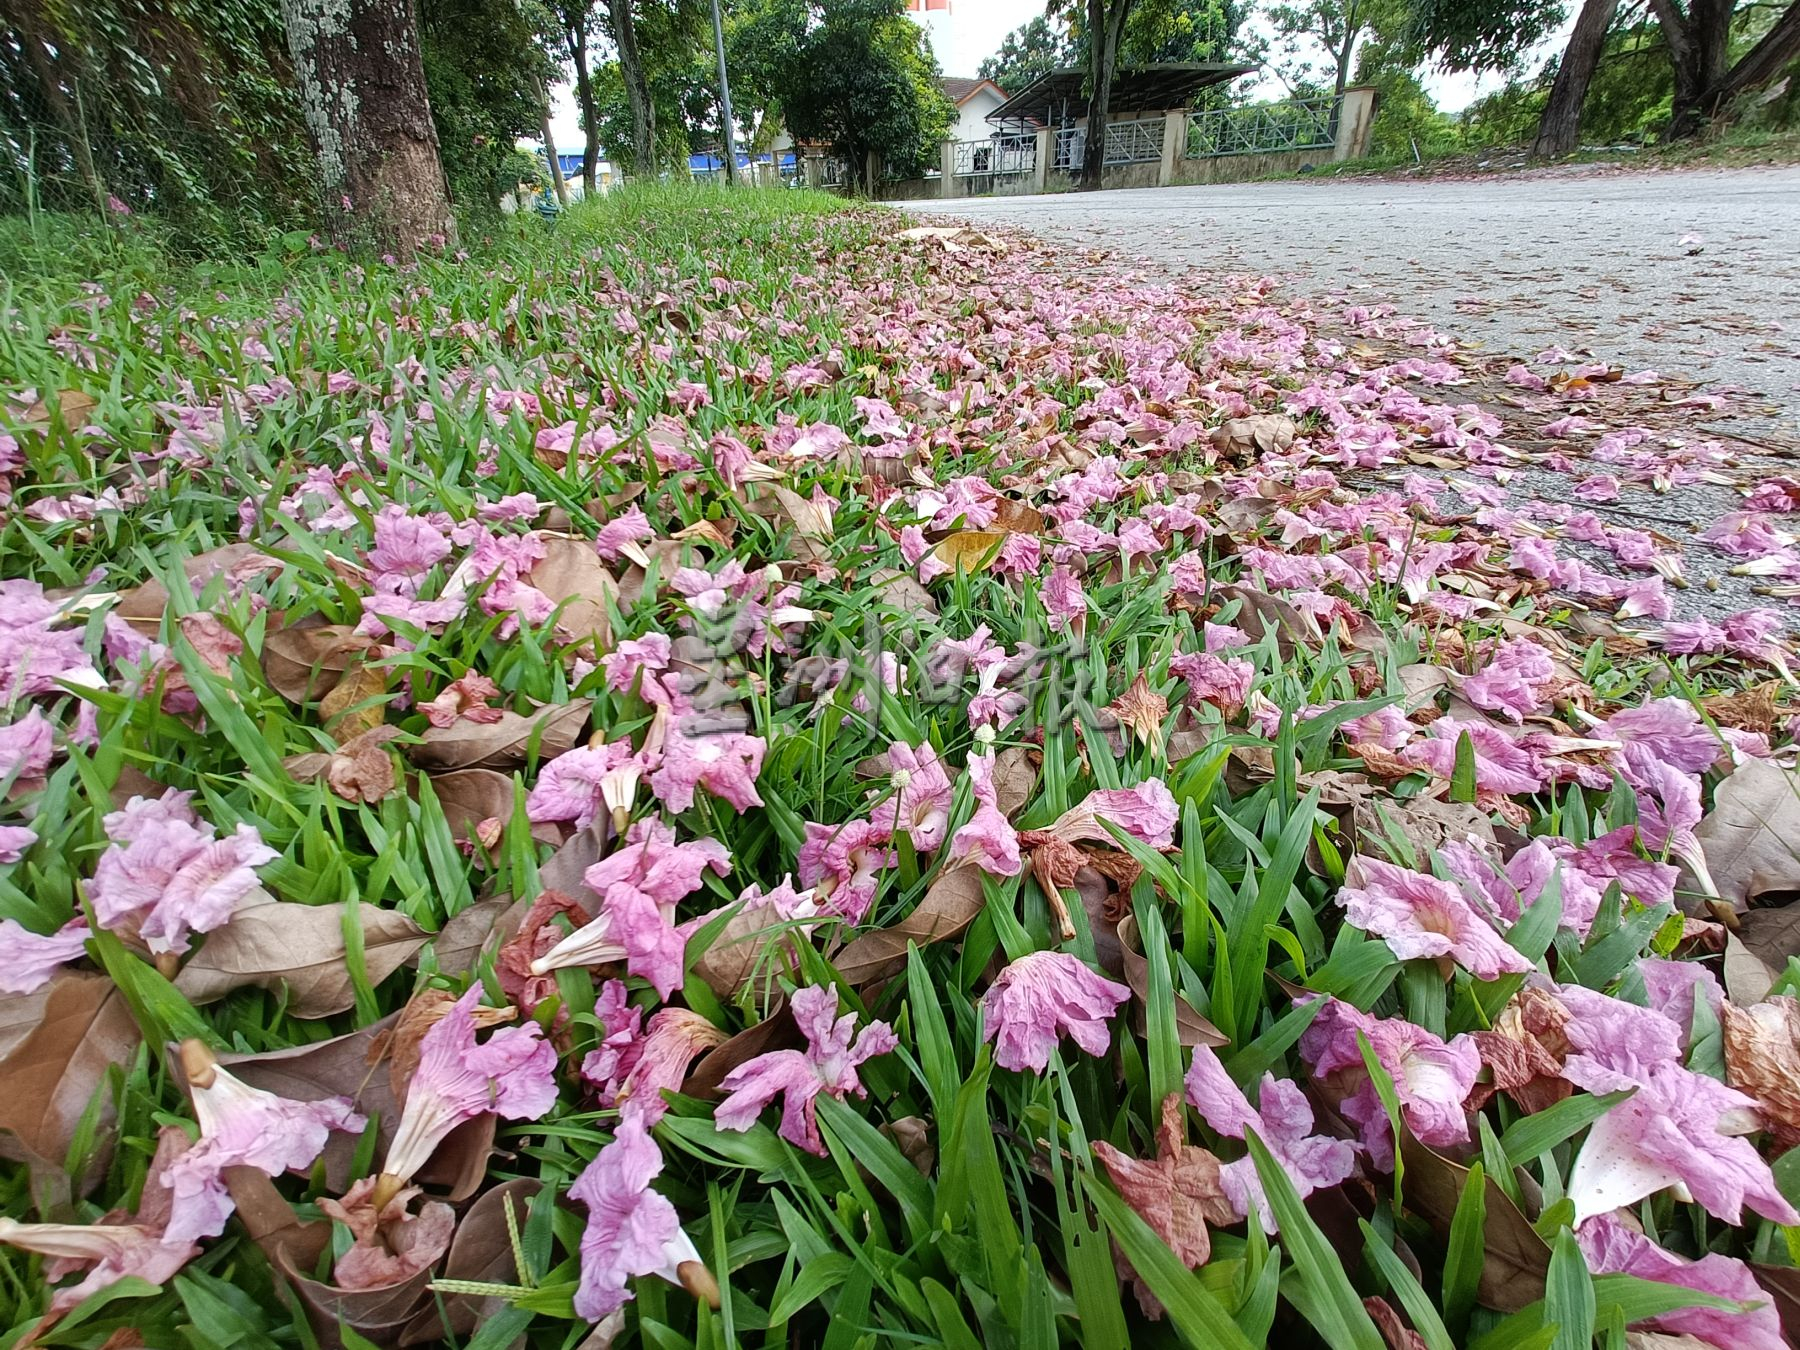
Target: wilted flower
x=29, y=961
x=1501, y=764
x=1284, y=1124
x=14, y=840
x=240, y=1126
x=725, y=763
x=843, y=865
x=1611, y=1248
x=1513, y=679
x=1146, y=812
x=1064, y=601
x=1678, y=1129
x=987, y=838
x=119, y=1246
x=1178, y=1193
x=389, y=1243
x=639, y=886
x=167, y=877
x=25, y=749
x=512, y=1074
x=1431, y=1076
x=634, y=1082
x=1419, y=916
x=631, y=1230
x=575, y=786
x=1043, y=996
x=828, y=1065
x=466, y=699
x=1223, y=681
x=1669, y=729
x=633, y=656
x=922, y=795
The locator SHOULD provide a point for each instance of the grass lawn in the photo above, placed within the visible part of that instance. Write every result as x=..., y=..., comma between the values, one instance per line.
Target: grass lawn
x=481, y=731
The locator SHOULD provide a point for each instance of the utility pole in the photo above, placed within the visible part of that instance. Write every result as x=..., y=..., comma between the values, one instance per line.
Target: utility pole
x=724, y=99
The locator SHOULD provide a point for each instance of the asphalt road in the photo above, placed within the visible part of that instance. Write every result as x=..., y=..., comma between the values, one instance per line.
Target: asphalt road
x=1694, y=274
x=1508, y=264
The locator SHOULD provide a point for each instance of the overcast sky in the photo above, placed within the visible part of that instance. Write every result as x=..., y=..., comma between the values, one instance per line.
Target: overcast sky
x=974, y=29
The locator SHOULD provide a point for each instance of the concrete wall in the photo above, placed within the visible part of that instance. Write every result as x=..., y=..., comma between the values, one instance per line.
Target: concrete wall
x=1243, y=168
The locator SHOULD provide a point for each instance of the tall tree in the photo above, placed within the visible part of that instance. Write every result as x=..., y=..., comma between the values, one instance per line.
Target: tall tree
x=1030, y=52
x=575, y=22
x=762, y=43
x=362, y=92
x=621, y=23
x=863, y=79
x=1105, y=28
x=1559, y=130
x=1335, y=25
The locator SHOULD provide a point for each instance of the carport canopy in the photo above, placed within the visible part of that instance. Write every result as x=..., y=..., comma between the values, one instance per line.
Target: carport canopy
x=1057, y=99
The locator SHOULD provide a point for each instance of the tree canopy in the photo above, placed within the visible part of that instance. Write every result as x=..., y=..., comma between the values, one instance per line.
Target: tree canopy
x=863, y=78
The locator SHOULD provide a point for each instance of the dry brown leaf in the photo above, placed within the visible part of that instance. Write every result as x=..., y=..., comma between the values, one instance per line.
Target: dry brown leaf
x=472, y=797
x=573, y=574
x=969, y=550
x=1517, y=1259
x=72, y=405
x=1260, y=612
x=482, y=1253
x=359, y=770
x=282, y=944
x=19, y=1013
x=1191, y=1029
x=1260, y=434
x=901, y=592
x=460, y=942
x=1751, y=837
x=949, y=907
x=1015, y=778
x=775, y=1032
x=502, y=744
x=740, y=952
x=1762, y=1057
x=1750, y=972
x=270, y=1220
x=378, y=1316
x=1748, y=710
x=52, y=1073
x=303, y=664
x=1016, y=517
x=356, y=703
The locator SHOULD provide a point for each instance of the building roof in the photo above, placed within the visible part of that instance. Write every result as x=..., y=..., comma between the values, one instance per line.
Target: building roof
x=961, y=89
x=1051, y=99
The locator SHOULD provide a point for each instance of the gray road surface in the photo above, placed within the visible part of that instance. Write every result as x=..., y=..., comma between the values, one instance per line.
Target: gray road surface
x=1510, y=265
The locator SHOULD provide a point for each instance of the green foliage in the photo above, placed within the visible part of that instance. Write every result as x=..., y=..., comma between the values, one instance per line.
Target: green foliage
x=176, y=108
x=762, y=43
x=1030, y=52
x=1407, y=115
x=863, y=79
x=486, y=71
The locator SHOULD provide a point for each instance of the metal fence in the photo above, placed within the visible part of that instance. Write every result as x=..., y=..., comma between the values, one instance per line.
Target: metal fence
x=1134, y=142
x=1263, y=128
x=997, y=156
x=1137, y=142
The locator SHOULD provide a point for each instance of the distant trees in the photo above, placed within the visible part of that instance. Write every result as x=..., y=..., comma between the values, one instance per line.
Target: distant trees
x=1696, y=43
x=862, y=78
x=486, y=70
x=1030, y=52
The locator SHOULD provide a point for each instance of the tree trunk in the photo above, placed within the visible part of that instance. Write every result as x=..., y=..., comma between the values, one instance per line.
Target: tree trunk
x=1559, y=130
x=1351, y=27
x=1697, y=46
x=362, y=92
x=590, y=115
x=1762, y=63
x=1106, y=28
x=557, y=182
x=637, y=85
